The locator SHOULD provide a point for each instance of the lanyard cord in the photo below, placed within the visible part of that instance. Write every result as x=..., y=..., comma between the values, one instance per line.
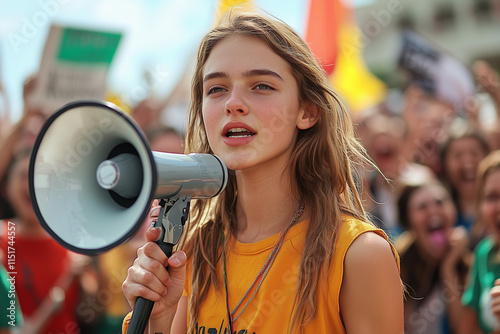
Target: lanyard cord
x=229, y=319
x=262, y=273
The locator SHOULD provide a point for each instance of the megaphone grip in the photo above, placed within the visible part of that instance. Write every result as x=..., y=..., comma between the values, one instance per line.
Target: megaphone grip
x=166, y=248
x=140, y=316
x=143, y=307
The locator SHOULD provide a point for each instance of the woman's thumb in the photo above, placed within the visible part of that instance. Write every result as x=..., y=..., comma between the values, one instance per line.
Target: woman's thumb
x=177, y=266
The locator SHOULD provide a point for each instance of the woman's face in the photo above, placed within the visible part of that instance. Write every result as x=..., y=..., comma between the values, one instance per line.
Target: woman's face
x=490, y=204
x=385, y=149
x=251, y=107
x=461, y=163
x=432, y=215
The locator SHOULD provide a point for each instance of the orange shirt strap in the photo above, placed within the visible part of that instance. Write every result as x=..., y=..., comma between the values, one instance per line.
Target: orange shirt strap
x=126, y=323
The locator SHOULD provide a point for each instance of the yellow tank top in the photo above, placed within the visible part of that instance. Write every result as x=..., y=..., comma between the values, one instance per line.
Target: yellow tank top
x=270, y=310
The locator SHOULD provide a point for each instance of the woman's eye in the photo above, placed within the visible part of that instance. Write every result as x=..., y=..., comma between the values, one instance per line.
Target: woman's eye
x=492, y=197
x=264, y=86
x=214, y=90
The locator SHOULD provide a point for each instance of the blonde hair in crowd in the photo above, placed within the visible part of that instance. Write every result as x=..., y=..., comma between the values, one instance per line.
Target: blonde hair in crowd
x=323, y=164
x=489, y=164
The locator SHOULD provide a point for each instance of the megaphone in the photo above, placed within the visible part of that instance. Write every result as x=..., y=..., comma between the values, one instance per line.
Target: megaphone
x=93, y=176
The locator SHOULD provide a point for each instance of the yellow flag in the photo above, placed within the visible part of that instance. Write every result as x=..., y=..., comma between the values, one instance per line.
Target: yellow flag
x=351, y=78
x=119, y=101
x=225, y=5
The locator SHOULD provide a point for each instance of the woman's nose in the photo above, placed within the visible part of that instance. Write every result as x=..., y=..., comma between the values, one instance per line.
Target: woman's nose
x=236, y=103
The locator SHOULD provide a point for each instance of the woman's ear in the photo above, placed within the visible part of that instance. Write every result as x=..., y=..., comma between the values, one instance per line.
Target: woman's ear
x=308, y=115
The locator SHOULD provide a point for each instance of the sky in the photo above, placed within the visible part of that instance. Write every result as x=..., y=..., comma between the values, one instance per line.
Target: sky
x=159, y=35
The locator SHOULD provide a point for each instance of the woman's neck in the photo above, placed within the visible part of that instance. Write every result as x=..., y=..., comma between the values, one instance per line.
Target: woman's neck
x=265, y=205
x=467, y=205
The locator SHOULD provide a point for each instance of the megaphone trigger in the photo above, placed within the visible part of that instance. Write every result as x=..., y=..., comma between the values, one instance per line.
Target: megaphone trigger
x=172, y=218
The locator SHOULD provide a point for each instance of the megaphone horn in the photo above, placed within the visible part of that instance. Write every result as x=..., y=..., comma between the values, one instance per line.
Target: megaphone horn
x=93, y=176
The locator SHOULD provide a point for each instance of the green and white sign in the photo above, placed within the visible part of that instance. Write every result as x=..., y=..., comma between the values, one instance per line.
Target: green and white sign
x=74, y=66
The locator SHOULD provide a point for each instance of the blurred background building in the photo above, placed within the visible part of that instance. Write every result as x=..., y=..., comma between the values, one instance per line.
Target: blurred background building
x=467, y=29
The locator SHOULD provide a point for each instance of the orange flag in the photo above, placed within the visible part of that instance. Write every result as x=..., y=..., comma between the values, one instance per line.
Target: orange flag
x=331, y=34
x=323, y=23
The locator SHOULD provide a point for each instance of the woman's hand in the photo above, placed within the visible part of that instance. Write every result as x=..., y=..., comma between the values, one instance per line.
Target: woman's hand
x=486, y=76
x=459, y=246
x=495, y=299
x=149, y=278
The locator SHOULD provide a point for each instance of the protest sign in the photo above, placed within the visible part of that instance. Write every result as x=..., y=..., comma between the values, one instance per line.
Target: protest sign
x=436, y=72
x=74, y=66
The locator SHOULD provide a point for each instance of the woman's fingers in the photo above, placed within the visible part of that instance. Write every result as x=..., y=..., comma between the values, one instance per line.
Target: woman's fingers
x=495, y=298
x=132, y=290
x=156, y=277
x=177, y=268
x=147, y=277
x=153, y=234
x=152, y=258
x=154, y=213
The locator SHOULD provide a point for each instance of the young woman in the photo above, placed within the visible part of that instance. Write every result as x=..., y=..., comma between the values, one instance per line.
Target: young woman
x=482, y=294
x=434, y=258
x=286, y=247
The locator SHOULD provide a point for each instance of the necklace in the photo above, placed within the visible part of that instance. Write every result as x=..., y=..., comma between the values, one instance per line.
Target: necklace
x=262, y=273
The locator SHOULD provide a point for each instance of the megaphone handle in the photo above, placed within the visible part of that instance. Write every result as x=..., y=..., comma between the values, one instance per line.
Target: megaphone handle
x=140, y=316
x=143, y=307
x=166, y=248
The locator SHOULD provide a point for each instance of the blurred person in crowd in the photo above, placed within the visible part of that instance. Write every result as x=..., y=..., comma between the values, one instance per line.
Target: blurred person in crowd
x=111, y=304
x=488, y=80
x=461, y=153
x=382, y=136
x=4, y=111
x=146, y=113
x=48, y=277
x=426, y=119
x=481, y=297
x=21, y=135
x=434, y=257
x=165, y=139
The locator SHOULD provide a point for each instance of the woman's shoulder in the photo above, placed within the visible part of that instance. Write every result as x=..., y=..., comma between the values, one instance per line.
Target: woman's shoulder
x=370, y=271
x=352, y=228
x=364, y=242
x=350, y=223
x=368, y=247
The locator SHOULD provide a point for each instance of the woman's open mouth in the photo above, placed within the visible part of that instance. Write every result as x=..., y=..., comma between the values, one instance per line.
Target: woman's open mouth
x=438, y=234
x=239, y=133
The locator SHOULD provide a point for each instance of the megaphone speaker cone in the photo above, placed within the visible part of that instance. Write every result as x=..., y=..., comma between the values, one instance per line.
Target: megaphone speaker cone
x=69, y=187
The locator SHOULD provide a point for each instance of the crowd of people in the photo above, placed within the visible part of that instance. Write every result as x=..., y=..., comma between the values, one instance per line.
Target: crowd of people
x=56, y=290
x=433, y=189
x=434, y=208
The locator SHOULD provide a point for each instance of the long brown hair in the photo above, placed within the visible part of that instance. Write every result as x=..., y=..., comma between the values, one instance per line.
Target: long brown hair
x=323, y=164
